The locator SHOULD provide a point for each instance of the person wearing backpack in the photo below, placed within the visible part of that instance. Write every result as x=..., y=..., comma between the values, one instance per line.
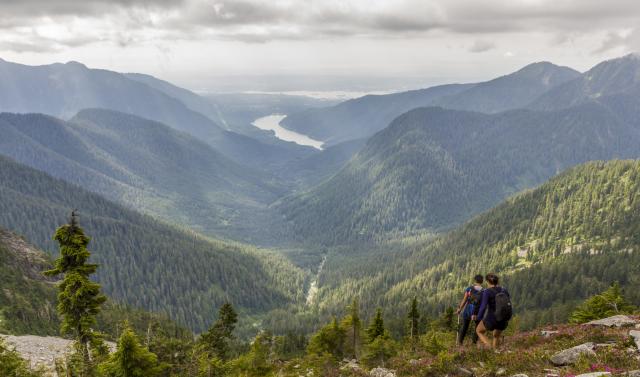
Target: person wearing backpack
x=494, y=313
x=468, y=307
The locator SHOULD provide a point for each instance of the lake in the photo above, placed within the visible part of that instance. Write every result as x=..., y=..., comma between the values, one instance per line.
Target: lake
x=272, y=123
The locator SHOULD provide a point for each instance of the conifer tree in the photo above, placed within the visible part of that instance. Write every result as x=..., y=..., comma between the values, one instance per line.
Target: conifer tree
x=608, y=303
x=329, y=339
x=352, y=325
x=376, y=328
x=217, y=338
x=414, y=319
x=79, y=298
x=131, y=359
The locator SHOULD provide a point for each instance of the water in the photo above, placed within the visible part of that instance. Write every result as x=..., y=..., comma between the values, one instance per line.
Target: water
x=272, y=123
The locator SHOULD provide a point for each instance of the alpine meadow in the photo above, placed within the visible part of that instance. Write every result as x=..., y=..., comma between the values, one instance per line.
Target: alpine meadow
x=289, y=188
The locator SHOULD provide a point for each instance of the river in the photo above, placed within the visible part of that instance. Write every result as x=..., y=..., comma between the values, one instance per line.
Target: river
x=272, y=123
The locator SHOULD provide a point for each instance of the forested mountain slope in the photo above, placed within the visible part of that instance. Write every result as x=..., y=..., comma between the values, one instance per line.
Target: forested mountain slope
x=363, y=117
x=434, y=168
x=554, y=246
x=611, y=77
x=28, y=299
x=145, y=263
x=62, y=90
x=148, y=166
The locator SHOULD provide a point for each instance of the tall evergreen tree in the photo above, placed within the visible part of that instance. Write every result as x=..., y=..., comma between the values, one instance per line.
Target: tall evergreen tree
x=376, y=328
x=352, y=325
x=217, y=338
x=414, y=319
x=79, y=298
x=131, y=359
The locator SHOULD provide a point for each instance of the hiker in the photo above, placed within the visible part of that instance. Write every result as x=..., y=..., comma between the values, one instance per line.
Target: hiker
x=494, y=312
x=468, y=306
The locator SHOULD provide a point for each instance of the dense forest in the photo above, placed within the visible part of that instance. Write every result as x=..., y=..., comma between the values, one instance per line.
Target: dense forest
x=554, y=246
x=149, y=264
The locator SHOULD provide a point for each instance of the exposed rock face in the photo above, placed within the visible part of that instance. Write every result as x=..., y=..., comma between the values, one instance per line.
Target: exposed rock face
x=635, y=334
x=634, y=373
x=382, y=372
x=571, y=355
x=615, y=321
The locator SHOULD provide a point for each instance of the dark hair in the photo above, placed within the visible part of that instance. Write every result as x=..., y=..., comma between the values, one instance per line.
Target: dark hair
x=492, y=279
x=478, y=279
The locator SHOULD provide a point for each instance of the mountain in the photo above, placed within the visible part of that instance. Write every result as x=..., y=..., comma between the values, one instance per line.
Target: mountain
x=512, y=91
x=432, y=168
x=62, y=90
x=363, y=117
x=553, y=247
x=145, y=263
x=148, y=166
x=611, y=77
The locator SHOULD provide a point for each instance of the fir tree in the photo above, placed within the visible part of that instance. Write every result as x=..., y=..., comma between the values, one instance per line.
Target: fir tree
x=329, y=339
x=414, y=320
x=608, y=303
x=216, y=340
x=352, y=324
x=79, y=298
x=376, y=328
x=131, y=359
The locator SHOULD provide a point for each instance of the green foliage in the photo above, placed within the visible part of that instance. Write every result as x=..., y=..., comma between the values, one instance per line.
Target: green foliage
x=204, y=273
x=259, y=360
x=216, y=339
x=329, y=339
x=376, y=327
x=131, y=359
x=414, y=320
x=606, y=304
x=12, y=365
x=79, y=298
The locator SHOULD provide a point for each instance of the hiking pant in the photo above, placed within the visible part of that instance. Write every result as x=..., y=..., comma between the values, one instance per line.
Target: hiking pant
x=462, y=331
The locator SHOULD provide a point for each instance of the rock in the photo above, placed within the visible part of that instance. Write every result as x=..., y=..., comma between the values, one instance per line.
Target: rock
x=594, y=374
x=382, y=372
x=548, y=333
x=635, y=334
x=465, y=372
x=634, y=373
x=520, y=375
x=615, y=321
x=350, y=365
x=571, y=355
x=501, y=372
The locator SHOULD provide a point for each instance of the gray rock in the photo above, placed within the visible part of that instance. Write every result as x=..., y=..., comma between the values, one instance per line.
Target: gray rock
x=571, y=355
x=594, y=374
x=635, y=334
x=382, y=372
x=615, y=321
x=548, y=333
x=465, y=372
x=634, y=373
x=501, y=372
x=520, y=375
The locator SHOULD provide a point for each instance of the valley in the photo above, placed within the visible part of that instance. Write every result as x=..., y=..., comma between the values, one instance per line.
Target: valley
x=272, y=123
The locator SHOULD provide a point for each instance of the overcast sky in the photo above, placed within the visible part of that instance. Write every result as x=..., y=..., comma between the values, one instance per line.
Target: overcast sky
x=197, y=43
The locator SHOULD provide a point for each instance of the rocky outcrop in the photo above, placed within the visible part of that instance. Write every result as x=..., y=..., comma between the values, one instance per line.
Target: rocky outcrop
x=615, y=321
x=635, y=334
x=594, y=374
x=571, y=355
x=382, y=372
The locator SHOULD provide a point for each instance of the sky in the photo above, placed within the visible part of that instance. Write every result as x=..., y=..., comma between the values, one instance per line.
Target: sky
x=212, y=45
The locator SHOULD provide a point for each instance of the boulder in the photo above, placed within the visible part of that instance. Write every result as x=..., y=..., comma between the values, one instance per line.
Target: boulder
x=634, y=373
x=520, y=375
x=350, y=365
x=548, y=333
x=635, y=334
x=594, y=374
x=615, y=321
x=465, y=372
x=382, y=372
x=571, y=355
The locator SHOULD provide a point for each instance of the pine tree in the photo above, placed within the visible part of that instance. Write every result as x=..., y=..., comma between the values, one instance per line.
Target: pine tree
x=216, y=339
x=79, y=298
x=131, y=359
x=352, y=324
x=329, y=339
x=606, y=304
x=376, y=328
x=414, y=320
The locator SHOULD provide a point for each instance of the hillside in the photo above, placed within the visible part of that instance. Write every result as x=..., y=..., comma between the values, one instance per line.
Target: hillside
x=145, y=263
x=146, y=166
x=554, y=246
x=432, y=169
x=363, y=117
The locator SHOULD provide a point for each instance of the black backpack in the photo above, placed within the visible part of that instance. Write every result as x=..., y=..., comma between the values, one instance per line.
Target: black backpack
x=503, y=311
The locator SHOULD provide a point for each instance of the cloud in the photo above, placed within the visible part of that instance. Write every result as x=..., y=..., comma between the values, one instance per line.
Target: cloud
x=628, y=40
x=482, y=46
x=127, y=22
